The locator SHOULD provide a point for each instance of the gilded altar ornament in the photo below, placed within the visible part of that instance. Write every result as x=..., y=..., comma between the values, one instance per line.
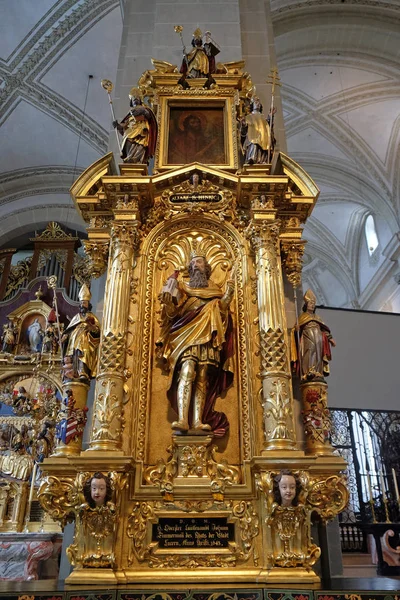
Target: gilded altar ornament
x=196, y=343
x=328, y=496
x=238, y=551
x=292, y=260
x=93, y=544
x=198, y=213
x=288, y=522
x=191, y=456
x=277, y=394
x=97, y=253
x=138, y=130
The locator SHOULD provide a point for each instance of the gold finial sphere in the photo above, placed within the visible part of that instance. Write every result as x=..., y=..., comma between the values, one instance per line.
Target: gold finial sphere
x=107, y=85
x=178, y=28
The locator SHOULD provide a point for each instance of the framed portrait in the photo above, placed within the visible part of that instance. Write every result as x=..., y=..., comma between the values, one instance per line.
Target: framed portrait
x=197, y=129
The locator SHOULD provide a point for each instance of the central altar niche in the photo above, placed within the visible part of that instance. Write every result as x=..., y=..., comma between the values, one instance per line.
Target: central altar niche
x=169, y=250
x=211, y=473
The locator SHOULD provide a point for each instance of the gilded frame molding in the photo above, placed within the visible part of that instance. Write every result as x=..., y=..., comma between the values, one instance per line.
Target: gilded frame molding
x=197, y=100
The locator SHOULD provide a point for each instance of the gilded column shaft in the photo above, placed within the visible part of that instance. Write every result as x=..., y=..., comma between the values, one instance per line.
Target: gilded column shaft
x=108, y=405
x=278, y=407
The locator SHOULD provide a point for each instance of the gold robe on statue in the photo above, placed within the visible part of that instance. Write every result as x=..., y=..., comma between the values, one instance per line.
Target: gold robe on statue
x=83, y=334
x=208, y=326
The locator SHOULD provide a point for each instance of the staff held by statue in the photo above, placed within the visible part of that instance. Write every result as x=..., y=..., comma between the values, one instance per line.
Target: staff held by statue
x=107, y=85
x=274, y=80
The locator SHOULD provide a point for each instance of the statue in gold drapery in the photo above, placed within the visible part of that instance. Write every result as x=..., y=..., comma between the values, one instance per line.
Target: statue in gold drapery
x=81, y=339
x=196, y=341
x=200, y=61
x=256, y=135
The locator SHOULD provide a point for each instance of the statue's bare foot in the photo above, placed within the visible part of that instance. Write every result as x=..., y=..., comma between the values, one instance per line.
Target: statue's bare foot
x=202, y=426
x=180, y=425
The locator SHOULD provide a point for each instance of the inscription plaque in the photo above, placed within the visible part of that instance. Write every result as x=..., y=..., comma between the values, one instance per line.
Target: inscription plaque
x=198, y=532
x=195, y=197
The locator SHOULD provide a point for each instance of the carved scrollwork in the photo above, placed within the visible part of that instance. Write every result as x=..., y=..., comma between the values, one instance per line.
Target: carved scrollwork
x=145, y=550
x=277, y=411
x=163, y=473
x=97, y=253
x=142, y=514
x=221, y=474
x=261, y=235
x=249, y=527
x=17, y=276
x=59, y=497
x=108, y=419
x=192, y=459
x=328, y=496
x=292, y=260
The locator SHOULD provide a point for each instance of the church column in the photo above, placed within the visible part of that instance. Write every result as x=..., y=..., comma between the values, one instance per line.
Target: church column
x=107, y=424
x=277, y=395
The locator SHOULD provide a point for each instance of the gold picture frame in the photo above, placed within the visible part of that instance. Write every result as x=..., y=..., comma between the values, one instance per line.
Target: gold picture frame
x=196, y=126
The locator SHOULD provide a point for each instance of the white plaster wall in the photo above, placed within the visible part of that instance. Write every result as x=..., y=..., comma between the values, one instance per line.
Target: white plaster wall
x=365, y=369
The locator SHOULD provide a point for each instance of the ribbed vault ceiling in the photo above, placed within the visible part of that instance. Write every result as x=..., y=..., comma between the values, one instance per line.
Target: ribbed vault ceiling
x=339, y=61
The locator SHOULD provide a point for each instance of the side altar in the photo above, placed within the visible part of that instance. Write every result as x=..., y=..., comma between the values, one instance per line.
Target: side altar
x=209, y=457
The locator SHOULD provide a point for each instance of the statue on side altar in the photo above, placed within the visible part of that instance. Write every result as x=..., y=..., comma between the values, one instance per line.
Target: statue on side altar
x=256, y=135
x=316, y=339
x=196, y=341
x=200, y=62
x=9, y=337
x=139, y=131
x=81, y=339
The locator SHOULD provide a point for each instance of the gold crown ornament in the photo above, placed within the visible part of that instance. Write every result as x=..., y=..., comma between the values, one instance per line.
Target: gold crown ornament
x=197, y=33
x=196, y=250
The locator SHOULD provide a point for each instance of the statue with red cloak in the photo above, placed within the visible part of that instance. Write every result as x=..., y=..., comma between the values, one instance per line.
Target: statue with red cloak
x=139, y=131
x=311, y=353
x=196, y=341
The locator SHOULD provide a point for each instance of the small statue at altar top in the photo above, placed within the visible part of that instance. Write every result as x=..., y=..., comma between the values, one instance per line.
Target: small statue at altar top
x=139, y=131
x=9, y=337
x=311, y=357
x=81, y=339
x=256, y=137
x=196, y=343
x=200, y=61
x=97, y=490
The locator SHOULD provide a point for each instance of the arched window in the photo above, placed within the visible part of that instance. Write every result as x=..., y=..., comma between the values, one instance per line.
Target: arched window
x=370, y=235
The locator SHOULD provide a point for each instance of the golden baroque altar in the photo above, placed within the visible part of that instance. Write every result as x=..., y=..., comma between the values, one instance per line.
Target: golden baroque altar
x=188, y=501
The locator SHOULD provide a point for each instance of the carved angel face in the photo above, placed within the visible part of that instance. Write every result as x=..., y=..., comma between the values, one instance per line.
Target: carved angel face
x=287, y=489
x=98, y=491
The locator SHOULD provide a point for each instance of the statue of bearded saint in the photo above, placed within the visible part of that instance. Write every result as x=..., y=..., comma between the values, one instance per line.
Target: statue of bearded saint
x=196, y=342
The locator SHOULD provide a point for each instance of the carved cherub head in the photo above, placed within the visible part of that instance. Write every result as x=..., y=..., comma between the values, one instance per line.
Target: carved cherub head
x=97, y=490
x=287, y=487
